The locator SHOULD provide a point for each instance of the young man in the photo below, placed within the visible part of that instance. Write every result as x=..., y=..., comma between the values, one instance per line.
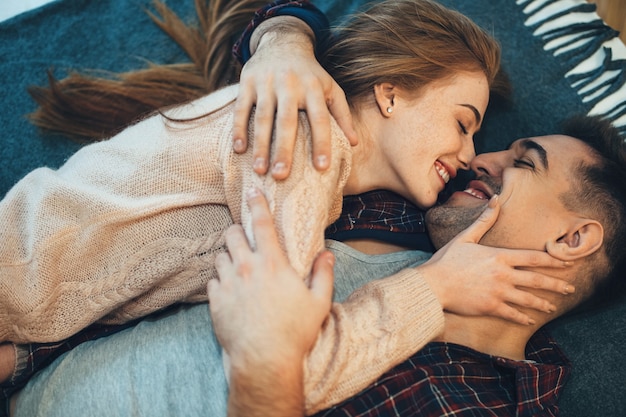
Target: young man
x=570, y=204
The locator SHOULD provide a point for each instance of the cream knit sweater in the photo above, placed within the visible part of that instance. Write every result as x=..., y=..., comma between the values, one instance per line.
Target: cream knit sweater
x=131, y=225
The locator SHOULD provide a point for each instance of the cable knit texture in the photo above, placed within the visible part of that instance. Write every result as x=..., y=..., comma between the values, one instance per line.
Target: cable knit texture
x=130, y=225
x=133, y=224
x=379, y=326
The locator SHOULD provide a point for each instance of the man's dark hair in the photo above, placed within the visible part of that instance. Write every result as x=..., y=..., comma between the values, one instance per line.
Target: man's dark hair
x=601, y=189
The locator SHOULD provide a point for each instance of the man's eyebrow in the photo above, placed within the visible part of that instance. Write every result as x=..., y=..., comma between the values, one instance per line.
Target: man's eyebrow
x=529, y=144
x=475, y=111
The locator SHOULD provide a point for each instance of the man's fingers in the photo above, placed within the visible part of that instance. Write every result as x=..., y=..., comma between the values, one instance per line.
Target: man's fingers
x=262, y=223
x=263, y=125
x=224, y=266
x=286, y=130
x=237, y=243
x=319, y=120
x=484, y=222
x=213, y=288
x=323, y=277
x=241, y=114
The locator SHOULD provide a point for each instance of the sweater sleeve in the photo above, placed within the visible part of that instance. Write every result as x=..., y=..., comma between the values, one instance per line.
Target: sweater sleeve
x=303, y=204
x=380, y=325
x=124, y=228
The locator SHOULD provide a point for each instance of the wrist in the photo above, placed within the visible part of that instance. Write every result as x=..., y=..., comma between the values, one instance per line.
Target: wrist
x=435, y=282
x=263, y=388
x=285, y=30
x=274, y=356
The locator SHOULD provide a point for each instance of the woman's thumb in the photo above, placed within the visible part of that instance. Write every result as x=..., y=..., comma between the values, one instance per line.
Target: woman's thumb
x=484, y=222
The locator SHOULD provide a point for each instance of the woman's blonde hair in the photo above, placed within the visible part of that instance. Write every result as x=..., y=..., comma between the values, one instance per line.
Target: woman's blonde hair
x=408, y=42
x=94, y=105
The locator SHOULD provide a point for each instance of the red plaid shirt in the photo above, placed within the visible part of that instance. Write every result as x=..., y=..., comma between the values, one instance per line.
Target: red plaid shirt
x=384, y=216
x=445, y=379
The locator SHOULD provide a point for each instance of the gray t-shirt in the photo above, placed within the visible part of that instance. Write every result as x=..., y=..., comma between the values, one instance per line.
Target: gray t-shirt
x=171, y=365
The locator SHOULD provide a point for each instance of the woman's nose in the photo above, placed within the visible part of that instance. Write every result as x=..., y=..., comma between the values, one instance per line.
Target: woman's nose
x=467, y=154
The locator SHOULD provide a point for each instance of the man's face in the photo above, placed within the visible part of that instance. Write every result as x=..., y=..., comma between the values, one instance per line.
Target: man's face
x=529, y=177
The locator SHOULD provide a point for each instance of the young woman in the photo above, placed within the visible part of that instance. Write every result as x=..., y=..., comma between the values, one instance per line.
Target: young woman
x=131, y=225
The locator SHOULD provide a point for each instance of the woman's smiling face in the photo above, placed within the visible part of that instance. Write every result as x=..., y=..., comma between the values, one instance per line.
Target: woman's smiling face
x=428, y=138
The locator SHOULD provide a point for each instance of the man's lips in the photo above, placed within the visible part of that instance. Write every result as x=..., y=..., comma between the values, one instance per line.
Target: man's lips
x=479, y=190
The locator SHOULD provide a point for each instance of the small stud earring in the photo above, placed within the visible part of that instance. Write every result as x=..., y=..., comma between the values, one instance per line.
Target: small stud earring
x=389, y=109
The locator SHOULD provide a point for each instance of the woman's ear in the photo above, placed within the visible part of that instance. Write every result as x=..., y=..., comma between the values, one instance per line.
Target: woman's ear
x=581, y=240
x=385, y=95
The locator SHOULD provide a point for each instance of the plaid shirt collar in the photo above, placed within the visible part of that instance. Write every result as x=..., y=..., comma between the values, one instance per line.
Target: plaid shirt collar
x=381, y=215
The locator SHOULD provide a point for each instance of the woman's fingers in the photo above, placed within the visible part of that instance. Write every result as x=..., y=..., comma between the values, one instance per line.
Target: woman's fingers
x=520, y=260
x=246, y=97
x=526, y=299
x=528, y=258
x=536, y=280
x=485, y=221
x=512, y=314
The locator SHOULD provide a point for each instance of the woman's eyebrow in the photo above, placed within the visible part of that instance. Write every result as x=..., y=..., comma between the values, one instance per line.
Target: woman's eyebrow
x=475, y=111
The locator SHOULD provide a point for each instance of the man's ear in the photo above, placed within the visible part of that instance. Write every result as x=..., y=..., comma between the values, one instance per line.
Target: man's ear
x=385, y=94
x=584, y=237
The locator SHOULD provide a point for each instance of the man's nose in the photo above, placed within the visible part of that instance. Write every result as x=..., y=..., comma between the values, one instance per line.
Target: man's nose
x=490, y=163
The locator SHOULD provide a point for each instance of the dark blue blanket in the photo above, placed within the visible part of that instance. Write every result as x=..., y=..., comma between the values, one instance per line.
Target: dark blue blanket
x=117, y=35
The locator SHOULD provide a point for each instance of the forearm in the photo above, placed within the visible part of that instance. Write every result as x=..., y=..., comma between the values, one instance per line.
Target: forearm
x=99, y=229
x=266, y=318
x=268, y=388
x=379, y=326
x=284, y=30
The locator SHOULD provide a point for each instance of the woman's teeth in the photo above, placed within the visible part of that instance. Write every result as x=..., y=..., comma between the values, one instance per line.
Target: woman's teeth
x=443, y=173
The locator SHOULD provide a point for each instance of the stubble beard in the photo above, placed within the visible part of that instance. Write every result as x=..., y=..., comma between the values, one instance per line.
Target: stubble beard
x=445, y=222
